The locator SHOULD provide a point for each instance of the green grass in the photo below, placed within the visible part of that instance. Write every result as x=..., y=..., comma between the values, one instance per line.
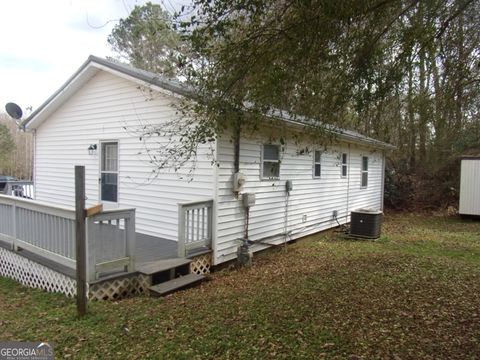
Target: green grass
x=413, y=294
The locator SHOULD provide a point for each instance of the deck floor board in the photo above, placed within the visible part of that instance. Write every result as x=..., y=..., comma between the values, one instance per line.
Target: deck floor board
x=150, y=248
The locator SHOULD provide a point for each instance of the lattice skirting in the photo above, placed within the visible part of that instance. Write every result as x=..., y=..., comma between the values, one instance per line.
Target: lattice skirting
x=119, y=288
x=34, y=275
x=201, y=264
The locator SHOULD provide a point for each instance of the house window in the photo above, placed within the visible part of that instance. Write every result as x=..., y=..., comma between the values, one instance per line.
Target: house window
x=344, y=165
x=109, y=172
x=364, y=171
x=270, y=161
x=317, y=167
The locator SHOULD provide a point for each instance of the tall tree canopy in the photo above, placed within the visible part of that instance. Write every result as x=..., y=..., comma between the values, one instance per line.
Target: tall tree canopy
x=7, y=145
x=16, y=149
x=146, y=39
x=407, y=72
x=336, y=61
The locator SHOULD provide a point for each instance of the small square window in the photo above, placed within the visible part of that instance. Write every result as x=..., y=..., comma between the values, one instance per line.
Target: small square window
x=270, y=161
x=317, y=166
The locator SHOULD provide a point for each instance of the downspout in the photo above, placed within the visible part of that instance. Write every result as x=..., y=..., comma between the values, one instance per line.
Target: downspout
x=236, y=145
x=34, y=164
x=348, y=185
x=244, y=253
x=382, y=199
x=287, y=197
x=215, y=207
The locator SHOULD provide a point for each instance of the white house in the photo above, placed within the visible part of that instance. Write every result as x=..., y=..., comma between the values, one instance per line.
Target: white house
x=103, y=103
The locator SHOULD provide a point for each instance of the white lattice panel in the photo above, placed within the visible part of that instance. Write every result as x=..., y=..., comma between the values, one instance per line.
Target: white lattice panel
x=32, y=274
x=201, y=264
x=119, y=288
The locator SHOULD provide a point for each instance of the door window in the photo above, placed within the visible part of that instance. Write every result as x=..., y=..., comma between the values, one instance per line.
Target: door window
x=109, y=172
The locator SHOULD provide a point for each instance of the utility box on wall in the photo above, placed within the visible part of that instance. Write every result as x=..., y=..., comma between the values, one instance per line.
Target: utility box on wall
x=470, y=186
x=366, y=223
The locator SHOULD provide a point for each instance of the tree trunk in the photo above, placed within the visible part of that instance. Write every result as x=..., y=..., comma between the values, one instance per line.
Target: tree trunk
x=411, y=120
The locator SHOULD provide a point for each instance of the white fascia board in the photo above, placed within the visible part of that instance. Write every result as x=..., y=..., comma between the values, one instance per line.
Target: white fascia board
x=137, y=80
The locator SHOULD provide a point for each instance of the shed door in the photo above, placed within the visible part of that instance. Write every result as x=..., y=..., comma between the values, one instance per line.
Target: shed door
x=109, y=172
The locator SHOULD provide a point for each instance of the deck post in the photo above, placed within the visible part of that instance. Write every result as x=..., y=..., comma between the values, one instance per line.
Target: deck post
x=210, y=223
x=130, y=234
x=14, y=227
x=181, y=232
x=80, y=240
x=91, y=236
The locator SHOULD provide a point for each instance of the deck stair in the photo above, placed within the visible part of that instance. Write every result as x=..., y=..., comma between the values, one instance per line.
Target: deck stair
x=178, y=283
x=169, y=275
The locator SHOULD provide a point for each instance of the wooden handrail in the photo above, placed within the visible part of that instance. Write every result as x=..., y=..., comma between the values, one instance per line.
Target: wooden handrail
x=104, y=231
x=195, y=222
x=49, y=231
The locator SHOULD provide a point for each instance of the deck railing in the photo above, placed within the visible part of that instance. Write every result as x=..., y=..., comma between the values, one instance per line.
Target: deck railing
x=49, y=231
x=111, y=242
x=194, y=226
x=45, y=230
x=18, y=188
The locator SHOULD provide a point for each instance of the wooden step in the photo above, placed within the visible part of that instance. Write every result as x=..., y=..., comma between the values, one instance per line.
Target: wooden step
x=153, y=267
x=175, y=284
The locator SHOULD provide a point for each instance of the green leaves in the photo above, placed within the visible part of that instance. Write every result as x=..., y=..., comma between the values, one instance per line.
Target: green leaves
x=147, y=40
x=355, y=64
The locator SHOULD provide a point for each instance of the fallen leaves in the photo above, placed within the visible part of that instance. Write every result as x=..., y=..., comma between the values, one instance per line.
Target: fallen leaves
x=415, y=293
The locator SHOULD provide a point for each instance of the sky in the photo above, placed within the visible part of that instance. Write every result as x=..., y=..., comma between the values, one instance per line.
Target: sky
x=43, y=42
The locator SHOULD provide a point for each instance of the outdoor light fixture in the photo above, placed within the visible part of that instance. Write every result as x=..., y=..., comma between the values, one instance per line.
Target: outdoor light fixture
x=92, y=149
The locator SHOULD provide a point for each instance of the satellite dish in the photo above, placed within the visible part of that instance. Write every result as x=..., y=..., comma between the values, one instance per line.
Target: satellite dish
x=14, y=110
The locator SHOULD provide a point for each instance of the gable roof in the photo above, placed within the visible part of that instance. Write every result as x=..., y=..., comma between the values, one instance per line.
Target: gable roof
x=87, y=71
x=95, y=64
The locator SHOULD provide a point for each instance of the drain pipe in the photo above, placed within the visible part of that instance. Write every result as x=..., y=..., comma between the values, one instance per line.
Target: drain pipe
x=244, y=253
x=247, y=220
x=348, y=184
x=288, y=188
x=236, y=146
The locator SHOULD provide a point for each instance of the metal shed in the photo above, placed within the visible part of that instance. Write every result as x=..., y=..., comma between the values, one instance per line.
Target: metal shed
x=470, y=186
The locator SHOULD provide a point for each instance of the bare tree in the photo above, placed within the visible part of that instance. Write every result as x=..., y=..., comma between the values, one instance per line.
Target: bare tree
x=17, y=159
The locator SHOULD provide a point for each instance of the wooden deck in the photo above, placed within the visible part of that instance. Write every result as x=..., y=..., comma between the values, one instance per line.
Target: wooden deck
x=150, y=248
x=120, y=261
x=38, y=248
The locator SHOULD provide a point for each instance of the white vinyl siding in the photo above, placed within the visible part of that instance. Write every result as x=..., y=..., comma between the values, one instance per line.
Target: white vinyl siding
x=312, y=200
x=110, y=107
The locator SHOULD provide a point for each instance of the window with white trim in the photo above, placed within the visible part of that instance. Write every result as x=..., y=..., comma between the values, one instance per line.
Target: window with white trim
x=364, y=171
x=270, y=161
x=344, y=165
x=317, y=166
